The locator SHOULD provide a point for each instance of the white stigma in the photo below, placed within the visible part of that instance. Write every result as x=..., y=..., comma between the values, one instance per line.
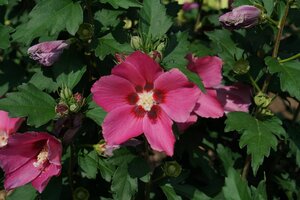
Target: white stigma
x=42, y=157
x=3, y=138
x=146, y=100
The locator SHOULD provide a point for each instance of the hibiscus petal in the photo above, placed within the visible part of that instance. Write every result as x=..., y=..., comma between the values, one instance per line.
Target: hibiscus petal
x=55, y=151
x=159, y=133
x=171, y=80
x=121, y=124
x=129, y=72
x=147, y=67
x=111, y=92
x=235, y=98
x=208, y=68
x=185, y=125
x=9, y=125
x=179, y=104
x=41, y=181
x=208, y=105
x=20, y=149
x=23, y=175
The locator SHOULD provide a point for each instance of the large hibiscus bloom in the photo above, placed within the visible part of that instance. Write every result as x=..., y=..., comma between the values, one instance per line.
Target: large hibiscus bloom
x=218, y=99
x=141, y=98
x=30, y=157
x=8, y=126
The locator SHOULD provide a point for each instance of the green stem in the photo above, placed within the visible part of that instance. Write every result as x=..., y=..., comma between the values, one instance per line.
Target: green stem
x=253, y=82
x=246, y=167
x=269, y=19
x=290, y=58
x=277, y=43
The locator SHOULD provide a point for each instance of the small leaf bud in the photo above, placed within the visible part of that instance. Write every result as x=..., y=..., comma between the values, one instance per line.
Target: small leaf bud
x=172, y=168
x=85, y=31
x=241, y=67
x=136, y=42
x=81, y=193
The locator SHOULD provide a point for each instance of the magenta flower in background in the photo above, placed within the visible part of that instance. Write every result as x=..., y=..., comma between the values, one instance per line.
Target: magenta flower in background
x=236, y=97
x=190, y=6
x=208, y=69
x=141, y=98
x=218, y=99
x=47, y=53
x=30, y=157
x=8, y=126
x=241, y=17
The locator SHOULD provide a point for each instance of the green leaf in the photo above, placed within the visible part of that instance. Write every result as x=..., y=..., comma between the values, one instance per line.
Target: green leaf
x=288, y=73
x=237, y=3
x=106, y=170
x=190, y=192
x=170, y=192
x=258, y=136
x=42, y=79
x=68, y=70
x=260, y=192
x=49, y=17
x=88, y=162
x=122, y=3
x=108, y=18
x=26, y=192
x=123, y=186
x=95, y=113
x=154, y=21
x=139, y=168
x=108, y=45
x=235, y=188
x=30, y=102
x=3, y=2
x=269, y=6
x=227, y=157
x=121, y=156
x=175, y=53
x=225, y=47
x=4, y=35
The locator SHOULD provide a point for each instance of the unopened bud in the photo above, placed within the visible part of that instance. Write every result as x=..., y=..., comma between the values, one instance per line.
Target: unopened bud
x=172, y=168
x=85, y=31
x=65, y=94
x=266, y=112
x=127, y=23
x=81, y=193
x=61, y=109
x=156, y=55
x=241, y=67
x=136, y=42
x=161, y=47
x=262, y=100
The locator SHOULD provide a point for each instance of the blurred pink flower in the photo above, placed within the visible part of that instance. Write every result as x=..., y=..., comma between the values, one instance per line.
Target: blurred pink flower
x=30, y=157
x=47, y=53
x=8, y=126
x=140, y=98
x=218, y=99
x=189, y=6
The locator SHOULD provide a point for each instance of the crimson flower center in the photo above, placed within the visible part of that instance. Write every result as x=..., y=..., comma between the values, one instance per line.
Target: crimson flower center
x=42, y=157
x=146, y=100
x=3, y=138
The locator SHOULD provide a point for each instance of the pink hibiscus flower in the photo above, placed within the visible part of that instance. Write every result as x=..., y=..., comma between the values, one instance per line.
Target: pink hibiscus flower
x=141, y=98
x=218, y=99
x=30, y=157
x=8, y=126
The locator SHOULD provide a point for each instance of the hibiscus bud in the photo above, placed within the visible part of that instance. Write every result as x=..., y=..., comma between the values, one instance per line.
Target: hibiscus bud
x=127, y=23
x=120, y=57
x=161, y=47
x=172, y=168
x=156, y=55
x=136, y=42
x=81, y=193
x=105, y=150
x=78, y=97
x=85, y=31
x=241, y=17
x=46, y=53
x=262, y=100
x=61, y=109
x=241, y=67
x=65, y=94
x=266, y=112
x=190, y=6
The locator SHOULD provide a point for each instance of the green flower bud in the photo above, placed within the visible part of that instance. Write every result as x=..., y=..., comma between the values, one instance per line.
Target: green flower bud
x=262, y=100
x=161, y=47
x=136, y=42
x=266, y=112
x=65, y=94
x=85, y=31
x=127, y=23
x=241, y=67
x=172, y=168
x=81, y=193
